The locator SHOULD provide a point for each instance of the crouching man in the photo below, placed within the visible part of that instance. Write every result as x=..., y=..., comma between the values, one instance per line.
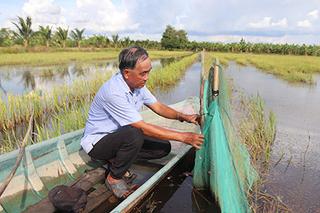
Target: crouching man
x=115, y=130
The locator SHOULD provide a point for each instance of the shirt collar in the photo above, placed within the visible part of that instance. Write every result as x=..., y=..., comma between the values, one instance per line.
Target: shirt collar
x=125, y=85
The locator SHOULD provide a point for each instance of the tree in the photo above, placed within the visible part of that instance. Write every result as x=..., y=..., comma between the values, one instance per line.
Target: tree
x=126, y=41
x=24, y=30
x=46, y=34
x=173, y=39
x=115, y=40
x=6, y=37
x=62, y=36
x=77, y=35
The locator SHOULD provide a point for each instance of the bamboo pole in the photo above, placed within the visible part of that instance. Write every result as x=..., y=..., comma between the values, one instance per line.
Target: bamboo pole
x=215, y=79
x=19, y=158
x=202, y=77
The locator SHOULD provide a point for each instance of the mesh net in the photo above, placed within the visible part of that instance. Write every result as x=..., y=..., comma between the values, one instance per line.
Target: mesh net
x=223, y=163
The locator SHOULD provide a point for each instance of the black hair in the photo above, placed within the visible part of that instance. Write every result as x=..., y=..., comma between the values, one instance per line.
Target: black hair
x=128, y=57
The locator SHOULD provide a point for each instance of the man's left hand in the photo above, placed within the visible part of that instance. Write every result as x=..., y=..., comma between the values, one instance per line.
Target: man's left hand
x=194, y=118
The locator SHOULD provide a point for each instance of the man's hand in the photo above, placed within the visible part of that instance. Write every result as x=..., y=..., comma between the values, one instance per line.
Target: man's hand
x=193, y=139
x=194, y=118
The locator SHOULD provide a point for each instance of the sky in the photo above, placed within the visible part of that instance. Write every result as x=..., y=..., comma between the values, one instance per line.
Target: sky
x=271, y=21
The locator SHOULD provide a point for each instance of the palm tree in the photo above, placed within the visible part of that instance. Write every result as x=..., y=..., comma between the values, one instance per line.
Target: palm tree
x=77, y=35
x=126, y=41
x=24, y=30
x=115, y=40
x=62, y=35
x=46, y=33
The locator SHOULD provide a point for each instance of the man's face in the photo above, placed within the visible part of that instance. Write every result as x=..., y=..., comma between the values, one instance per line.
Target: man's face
x=136, y=78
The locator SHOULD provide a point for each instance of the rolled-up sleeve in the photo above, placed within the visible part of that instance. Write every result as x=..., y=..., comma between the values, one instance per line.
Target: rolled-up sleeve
x=121, y=110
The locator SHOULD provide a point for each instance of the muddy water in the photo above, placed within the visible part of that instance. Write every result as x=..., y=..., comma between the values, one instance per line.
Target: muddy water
x=296, y=178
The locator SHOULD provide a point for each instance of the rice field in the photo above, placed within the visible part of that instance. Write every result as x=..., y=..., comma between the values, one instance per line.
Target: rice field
x=294, y=69
x=53, y=58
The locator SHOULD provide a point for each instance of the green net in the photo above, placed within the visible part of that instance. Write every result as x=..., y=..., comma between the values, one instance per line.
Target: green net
x=223, y=163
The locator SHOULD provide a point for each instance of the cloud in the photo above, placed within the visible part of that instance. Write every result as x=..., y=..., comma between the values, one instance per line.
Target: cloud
x=281, y=23
x=179, y=22
x=44, y=12
x=314, y=14
x=305, y=23
x=102, y=16
x=291, y=39
x=267, y=22
x=265, y=19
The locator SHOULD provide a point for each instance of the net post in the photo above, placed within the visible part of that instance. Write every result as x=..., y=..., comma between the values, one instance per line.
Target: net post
x=202, y=79
x=215, y=80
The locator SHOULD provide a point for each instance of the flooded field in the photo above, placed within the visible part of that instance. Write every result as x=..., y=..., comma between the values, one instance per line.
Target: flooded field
x=23, y=79
x=294, y=170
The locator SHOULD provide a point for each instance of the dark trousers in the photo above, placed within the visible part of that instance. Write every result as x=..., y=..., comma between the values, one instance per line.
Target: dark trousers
x=124, y=146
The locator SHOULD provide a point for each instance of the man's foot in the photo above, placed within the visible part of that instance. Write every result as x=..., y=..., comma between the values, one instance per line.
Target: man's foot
x=129, y=177
x=119, y=187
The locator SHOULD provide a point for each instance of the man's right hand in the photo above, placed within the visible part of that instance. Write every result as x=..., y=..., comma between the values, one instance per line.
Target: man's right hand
x=193, y=139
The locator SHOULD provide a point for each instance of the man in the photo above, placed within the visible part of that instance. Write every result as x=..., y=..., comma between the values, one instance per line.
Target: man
x=115, y=130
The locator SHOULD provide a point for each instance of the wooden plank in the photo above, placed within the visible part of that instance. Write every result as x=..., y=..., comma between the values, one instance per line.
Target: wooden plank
x=85, y=182
x=97, y=198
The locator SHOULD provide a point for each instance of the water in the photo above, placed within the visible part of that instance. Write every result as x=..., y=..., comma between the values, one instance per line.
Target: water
x=296, y=177
x=175, y=193
x=19, y=80
x=183, y=88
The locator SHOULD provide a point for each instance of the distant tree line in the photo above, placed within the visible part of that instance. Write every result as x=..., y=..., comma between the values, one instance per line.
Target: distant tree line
x=63, y=37
x=172, y=39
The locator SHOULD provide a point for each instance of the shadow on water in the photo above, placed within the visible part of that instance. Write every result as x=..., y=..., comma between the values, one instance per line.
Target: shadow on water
x=176, y=193
x=297, y=145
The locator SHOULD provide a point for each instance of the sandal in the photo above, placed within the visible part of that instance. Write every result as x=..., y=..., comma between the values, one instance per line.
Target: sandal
x=121, y=189
x=129, y=176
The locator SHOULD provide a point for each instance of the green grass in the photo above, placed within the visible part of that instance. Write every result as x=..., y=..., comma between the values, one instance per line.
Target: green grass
x=257, y=129
x=170, y=74
x=53, y=58
x=294, y=69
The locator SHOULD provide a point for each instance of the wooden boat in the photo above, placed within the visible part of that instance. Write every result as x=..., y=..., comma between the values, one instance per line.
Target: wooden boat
x=62, y=161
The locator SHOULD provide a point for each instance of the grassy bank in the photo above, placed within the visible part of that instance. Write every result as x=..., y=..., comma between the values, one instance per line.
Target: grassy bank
x=170, y=74
x=257, y=129
x=61, y=57
x=294, y=69
x=66, y=107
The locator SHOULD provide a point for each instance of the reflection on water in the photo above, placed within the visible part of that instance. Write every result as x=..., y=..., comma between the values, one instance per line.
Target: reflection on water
x=22, y=79
x=188, y=86
x=296, y=177
x=18, y=80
